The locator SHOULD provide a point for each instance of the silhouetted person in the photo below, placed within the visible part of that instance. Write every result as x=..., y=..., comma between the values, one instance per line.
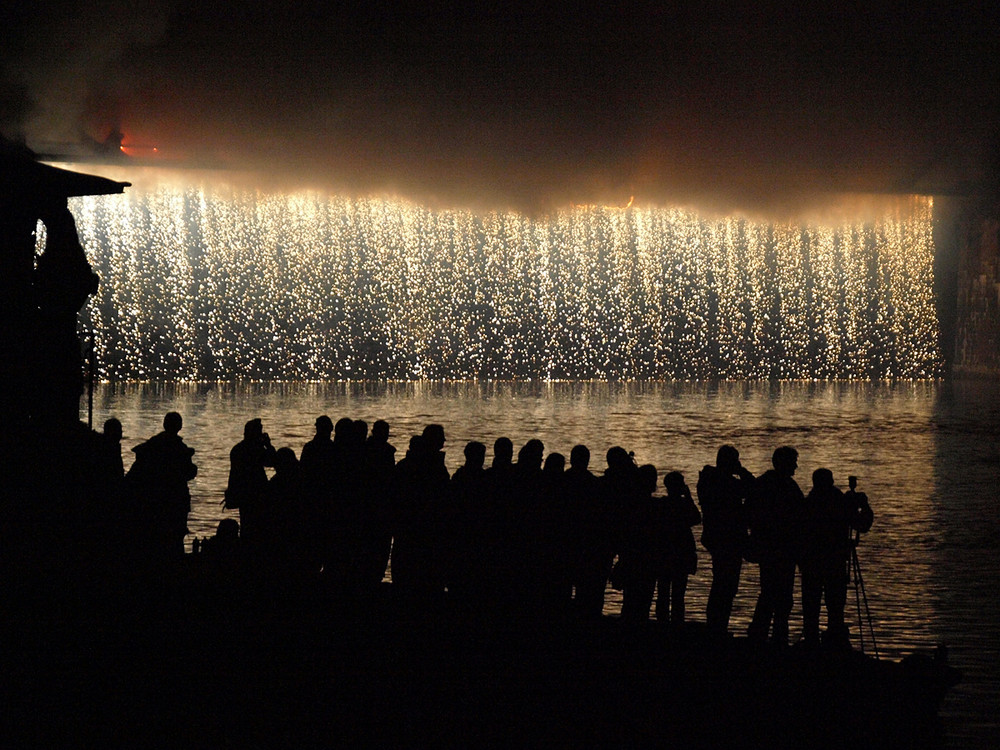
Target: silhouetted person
x=552, y=564
x=775, y=514
x=353, y=499
x=589, y=524
x=617, y=489
x=681, y=559
x=112, y=465
x=722, y=492
x=406, y=515
x=473, y=471
x=338, y=510
x=467, y=530
x=317, y=466
x=110, y=475
x=360, y=431
x=283, y=519
x=419, y=486
x=343, y=430
x=643, y=547
x=503, y=455
x=104, y=523
x=376, y=544
x=499, y=518
x=434, y=440
x=435, y=489
x=226, y=541
x=317, y=454
x=555, y=465
x=221, y=556
x=317, y=460
x=378, y=444
x=832, y=519
x=522, y=533
x=158, y=481
x=381, y=453
x=247, y=477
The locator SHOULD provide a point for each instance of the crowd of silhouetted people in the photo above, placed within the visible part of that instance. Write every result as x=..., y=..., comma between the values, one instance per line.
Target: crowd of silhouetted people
x=525, y=535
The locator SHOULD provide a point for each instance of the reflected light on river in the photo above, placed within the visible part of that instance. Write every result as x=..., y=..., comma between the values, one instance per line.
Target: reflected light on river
x=881, y=433
x=925, y=452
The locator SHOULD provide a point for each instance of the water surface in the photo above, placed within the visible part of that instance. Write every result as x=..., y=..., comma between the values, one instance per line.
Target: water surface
x=925, y=452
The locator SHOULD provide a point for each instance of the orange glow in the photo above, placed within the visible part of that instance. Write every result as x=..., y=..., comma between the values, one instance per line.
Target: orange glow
x=137, y=149
x=631, y=200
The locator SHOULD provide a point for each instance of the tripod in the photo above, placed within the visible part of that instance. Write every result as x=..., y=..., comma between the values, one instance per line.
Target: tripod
x=860, y=596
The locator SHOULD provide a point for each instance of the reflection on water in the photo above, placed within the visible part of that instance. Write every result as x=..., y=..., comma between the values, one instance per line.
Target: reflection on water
x=965, y=551
x=926, y=454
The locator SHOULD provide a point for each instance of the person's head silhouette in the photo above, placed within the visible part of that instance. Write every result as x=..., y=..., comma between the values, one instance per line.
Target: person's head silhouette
x=253, y=429
x=619, y=460
x=343, y=429
x=728, y=459
x=674, y=483
x=434, y=436
x=503, y=451
x=380, y=431
x=359, y=431
x=530, y=455
x=172, y=423
x=113, y=429
x=822, y=479
x=555, y=463
x=324, y=426
x=475, y=454
x=228, y=529
x=785, y=461
x=284, y=461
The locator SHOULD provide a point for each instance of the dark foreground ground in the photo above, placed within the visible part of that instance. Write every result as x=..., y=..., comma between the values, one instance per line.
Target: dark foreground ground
x=193, y=660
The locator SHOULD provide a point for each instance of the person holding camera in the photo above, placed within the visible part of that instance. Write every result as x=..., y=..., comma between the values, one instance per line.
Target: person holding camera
x=247, y=478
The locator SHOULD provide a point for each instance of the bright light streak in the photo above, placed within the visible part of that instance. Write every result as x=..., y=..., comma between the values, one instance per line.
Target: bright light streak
x=202, y=284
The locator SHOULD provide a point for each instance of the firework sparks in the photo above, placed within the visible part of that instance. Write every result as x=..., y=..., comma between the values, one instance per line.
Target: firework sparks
x=199, y=284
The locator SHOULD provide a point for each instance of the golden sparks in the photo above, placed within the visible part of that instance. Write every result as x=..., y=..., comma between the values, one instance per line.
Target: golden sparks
x=199, y=284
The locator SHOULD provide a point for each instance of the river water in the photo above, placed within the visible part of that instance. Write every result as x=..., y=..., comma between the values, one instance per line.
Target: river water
x=926, y=452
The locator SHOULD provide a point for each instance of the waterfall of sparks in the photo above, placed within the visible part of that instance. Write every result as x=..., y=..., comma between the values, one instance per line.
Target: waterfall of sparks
x=198, y=284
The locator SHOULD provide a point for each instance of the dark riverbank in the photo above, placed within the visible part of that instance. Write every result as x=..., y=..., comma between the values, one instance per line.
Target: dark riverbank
x=925, y=452
x=192, y=659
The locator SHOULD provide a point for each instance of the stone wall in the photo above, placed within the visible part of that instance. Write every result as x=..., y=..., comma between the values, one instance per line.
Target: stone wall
x=977, y=300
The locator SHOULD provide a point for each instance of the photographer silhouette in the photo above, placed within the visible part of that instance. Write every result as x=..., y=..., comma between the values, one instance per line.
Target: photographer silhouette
x=833, y=522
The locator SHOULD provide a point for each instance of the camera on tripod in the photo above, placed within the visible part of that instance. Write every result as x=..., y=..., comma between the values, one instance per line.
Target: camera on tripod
x=862, y=523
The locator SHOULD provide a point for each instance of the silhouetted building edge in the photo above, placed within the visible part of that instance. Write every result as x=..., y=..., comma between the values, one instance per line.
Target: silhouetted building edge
x=29, y=191
x=968, y=241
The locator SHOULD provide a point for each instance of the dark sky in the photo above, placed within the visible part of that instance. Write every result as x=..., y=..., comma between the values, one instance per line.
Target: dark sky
x=527, y=106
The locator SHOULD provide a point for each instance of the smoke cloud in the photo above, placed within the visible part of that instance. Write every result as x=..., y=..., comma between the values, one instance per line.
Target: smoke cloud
x=729, y=107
